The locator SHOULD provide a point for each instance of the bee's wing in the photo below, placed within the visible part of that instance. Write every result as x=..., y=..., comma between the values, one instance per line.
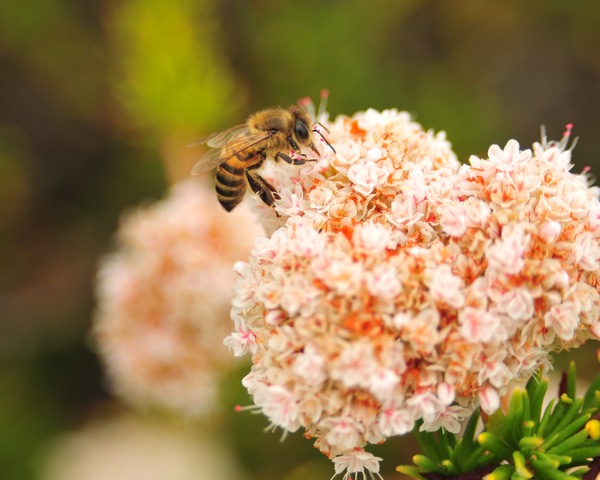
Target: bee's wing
x=230, y=149
x=210, y=160
x=219, y=139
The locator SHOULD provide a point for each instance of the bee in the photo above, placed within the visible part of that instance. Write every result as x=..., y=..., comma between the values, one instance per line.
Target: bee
x=240, y=151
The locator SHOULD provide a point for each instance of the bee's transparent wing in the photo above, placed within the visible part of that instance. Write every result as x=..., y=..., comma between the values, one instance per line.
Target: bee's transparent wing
x=230, y=149
x=219, y=139
x=210, y=160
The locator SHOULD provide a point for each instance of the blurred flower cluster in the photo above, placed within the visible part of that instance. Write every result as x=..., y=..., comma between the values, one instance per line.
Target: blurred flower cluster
x=133, y=448
x=163, y=299
x=398, y=286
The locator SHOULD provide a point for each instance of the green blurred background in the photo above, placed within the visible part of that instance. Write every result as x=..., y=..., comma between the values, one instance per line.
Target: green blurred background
x=99, y=98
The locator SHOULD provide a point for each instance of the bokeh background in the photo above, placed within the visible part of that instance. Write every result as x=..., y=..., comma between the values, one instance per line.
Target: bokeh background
x=100, y=98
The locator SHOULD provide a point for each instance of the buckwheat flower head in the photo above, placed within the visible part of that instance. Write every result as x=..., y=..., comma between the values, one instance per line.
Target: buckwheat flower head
x=163, y=298
x=398, y=286
x=129, y=448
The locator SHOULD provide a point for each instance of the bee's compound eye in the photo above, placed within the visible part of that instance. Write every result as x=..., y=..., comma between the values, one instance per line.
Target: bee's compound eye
x=301, y=131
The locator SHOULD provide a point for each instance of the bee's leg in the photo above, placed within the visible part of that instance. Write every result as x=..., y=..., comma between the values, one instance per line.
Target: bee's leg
x=293, y=161
x=261, y=187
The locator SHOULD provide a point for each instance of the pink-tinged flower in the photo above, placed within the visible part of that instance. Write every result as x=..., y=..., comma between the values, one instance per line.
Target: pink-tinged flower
x=342, y=433
x=279, y=405
x=311, y=366
x=564, y=319
x=445, y=287
x=242, y=341
x=517, y=304
x=508, y=158
x=357, y=461
x=125, y=447
x=163, y=298
x=396, y=421
x=367, y=177
x=549, y=231
x=449, y=418
x=454, y=220
x=409, y=288
x=489, y=400
x=507, y=254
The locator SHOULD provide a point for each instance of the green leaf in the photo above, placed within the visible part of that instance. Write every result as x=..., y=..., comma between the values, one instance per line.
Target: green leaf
x=557, y=414
x=567, y=440
x=593, y=429
x=537, y=400
x=533, y=384
x=445, y=441
x=582, y=453
x=545, y=471
x=495, y=445
x=546, y=418
x=529, y=428
x=521, y=465
x=566, y=419
x=553, y=459
x=411, y=471
x=495, y=423
x=503, y=472
x=529, y=443
x=466, y=445
x=450, y=467
x=426, y=464
x=591, y=400
x=514, y=418
x=429, y=445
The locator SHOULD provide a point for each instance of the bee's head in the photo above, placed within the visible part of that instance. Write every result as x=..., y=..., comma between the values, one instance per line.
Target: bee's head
x=302, y=130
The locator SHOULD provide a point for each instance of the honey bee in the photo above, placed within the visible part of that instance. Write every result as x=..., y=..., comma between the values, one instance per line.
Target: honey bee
x=240, y=151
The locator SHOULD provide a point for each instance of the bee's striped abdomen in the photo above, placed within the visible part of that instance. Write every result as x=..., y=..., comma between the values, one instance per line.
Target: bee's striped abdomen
x=230, y=185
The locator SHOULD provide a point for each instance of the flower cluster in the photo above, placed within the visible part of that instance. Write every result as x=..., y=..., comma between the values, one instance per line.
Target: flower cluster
x=125, y=447
x=163, y=299
x=400, y=286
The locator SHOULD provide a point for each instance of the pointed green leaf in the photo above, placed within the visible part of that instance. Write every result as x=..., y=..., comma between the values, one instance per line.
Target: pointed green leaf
x=514, y=418
x=465, y=446
x=537, y=400
x=521, y=465
x=527, y=444
x=593, y=429
x=495, y=423
x=449, y=467
x=503, y=472
x=547, y=472
x=592, y=396
x=429, y=445
x=410, y=471
x=546, y=418
x=557, y=414
x=567, y=417
x=495, y=445
x=425, y=464
x=552, y=459
x=581, y=453
x=567, y=439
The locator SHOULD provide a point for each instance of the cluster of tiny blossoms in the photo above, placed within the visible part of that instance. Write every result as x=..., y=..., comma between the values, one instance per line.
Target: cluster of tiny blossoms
x=398, y=286
x=125, y=447
x=163, y=299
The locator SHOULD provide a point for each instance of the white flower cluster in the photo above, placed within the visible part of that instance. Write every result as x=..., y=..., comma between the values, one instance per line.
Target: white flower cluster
x=398, y=286
x=163, y=299
x=125, y=447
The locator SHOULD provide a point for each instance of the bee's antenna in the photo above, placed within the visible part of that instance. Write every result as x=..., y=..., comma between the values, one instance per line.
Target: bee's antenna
x=324, y=139
x=322, y=126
